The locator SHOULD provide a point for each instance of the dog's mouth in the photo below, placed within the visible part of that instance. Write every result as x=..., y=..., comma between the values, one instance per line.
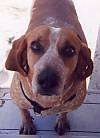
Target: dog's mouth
x=36, y=106
x=46, y=90
x=48, y=84
x=51, y=98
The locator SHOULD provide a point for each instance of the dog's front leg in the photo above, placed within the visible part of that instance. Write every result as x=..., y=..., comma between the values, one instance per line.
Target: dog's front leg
x=27, y=127
x=62, y=124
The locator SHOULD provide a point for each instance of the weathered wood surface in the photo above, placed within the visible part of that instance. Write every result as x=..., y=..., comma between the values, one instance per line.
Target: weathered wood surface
x=95, y=78
x=83, y=121
x=47, y=136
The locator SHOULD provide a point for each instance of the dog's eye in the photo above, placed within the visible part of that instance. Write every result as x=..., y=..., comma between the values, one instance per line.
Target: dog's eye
x=36, y=47
x=68, y=51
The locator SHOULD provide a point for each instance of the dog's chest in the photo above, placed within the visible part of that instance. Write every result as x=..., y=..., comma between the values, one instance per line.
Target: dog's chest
x=22, y=102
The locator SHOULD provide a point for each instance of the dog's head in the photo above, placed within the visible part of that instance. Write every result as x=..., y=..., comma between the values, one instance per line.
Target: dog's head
x=49, y=57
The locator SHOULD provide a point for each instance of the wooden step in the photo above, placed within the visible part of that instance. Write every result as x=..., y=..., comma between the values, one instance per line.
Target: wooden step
x=83, y=122
x=46, y=136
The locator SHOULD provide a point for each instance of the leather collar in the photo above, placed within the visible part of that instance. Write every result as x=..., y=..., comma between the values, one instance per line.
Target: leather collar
x=36, y=106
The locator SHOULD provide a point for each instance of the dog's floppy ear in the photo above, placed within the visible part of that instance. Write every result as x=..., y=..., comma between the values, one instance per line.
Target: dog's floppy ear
x=85, y=64
x=17, y=58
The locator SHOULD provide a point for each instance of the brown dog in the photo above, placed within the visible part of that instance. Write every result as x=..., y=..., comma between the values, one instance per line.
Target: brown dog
x=51, y=61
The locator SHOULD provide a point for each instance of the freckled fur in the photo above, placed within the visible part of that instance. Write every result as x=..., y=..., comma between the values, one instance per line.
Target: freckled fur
x=52, y=22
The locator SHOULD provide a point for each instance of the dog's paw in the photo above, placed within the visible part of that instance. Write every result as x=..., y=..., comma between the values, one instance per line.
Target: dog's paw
x=27, y=129
x=62, y=126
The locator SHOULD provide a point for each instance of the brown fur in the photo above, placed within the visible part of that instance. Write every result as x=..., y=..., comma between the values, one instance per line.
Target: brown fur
x=21, y=58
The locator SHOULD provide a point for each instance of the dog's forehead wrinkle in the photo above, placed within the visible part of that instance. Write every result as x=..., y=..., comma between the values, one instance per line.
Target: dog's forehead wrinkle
x=54, y=35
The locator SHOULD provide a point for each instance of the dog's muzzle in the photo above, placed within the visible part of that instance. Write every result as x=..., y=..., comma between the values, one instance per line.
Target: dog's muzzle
x=48, y=80
x=49, y=74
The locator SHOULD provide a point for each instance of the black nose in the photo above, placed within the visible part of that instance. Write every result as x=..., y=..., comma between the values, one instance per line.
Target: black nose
x=48, y=79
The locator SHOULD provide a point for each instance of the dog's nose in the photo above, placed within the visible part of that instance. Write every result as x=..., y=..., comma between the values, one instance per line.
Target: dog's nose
x=48, y=79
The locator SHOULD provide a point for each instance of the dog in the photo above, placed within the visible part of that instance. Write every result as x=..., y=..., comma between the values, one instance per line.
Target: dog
x=51, y=63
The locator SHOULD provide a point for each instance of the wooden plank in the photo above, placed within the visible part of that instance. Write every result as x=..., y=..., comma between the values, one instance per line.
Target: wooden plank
x=9, y=116
x=92, y=98
x=86, y=118
x=77, y=134
x=14, y=136
x=8, y=132
x=85, y=134
x=51, y=133
x=46, y=136
x=95, y=78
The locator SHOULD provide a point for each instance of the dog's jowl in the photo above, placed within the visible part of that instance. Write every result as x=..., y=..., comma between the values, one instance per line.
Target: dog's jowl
x=51, y=63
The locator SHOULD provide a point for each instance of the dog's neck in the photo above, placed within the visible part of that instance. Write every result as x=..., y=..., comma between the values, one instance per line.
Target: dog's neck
x=55, y=99
x=70, y=100
x=72, y=97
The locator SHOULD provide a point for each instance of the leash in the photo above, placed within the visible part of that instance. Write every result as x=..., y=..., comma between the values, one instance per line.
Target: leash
x=36, y=107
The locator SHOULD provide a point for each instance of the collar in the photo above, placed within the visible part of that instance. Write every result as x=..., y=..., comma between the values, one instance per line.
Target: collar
x=36, y=106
